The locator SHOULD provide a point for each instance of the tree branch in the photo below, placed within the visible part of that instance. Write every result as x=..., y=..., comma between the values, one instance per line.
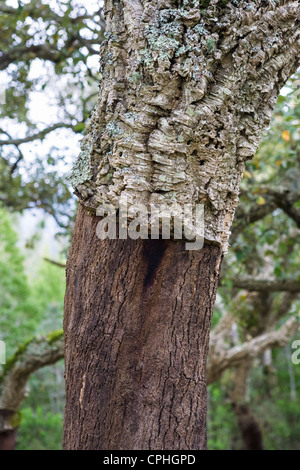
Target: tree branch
x=60, y=265
x=277, y=285
x=245, y=217
x=36, y=353
x=222, y=360
x=38, y=135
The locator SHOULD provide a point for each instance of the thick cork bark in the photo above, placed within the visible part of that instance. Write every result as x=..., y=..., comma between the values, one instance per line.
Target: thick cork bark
x=187, y=88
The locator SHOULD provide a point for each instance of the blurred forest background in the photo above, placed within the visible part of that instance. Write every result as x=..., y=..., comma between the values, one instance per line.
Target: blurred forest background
x=49, y=73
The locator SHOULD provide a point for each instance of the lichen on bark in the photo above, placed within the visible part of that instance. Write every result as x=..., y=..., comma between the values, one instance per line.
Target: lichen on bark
x=187, y=89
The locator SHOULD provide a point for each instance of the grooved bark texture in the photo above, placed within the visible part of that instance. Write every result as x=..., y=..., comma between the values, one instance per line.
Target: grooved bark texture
x=187, y=88
x=137, y=321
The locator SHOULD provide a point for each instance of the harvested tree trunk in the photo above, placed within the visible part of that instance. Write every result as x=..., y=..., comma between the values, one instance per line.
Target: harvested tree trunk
x=249, y=426
x=187, y=88
x=140, y=312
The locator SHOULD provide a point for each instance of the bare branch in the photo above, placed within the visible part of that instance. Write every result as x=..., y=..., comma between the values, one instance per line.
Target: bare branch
x=277, y=285
x=36, y=353
x=60, y=265
x=37, y=135
x=224, y=359
x=20, y=157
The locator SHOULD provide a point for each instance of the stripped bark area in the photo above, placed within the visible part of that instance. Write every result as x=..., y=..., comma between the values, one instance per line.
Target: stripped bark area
x=187, y=89
x=137, y=318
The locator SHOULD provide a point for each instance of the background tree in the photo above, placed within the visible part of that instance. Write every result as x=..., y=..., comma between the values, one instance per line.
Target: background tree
x=47, y=70
x=264, y=263
x=25, y=309
x=46, y=58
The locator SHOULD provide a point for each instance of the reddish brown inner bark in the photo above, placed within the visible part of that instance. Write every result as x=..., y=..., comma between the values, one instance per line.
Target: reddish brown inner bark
x=7, y=434
x=137, y=321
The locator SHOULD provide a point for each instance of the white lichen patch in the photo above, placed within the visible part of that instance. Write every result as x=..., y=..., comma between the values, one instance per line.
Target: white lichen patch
x=81, y=171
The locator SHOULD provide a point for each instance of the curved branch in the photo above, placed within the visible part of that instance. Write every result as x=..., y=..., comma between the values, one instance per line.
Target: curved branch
x=222, y=359
x=245, y=217
x=38, y=135
x=48, y=51
x=42, y=51
x=36, y=353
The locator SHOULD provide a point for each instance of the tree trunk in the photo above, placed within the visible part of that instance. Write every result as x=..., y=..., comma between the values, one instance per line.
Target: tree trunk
x=186, y=90
x=248, y=424
x=249, y=427
x=7, y=430
x=137, y=321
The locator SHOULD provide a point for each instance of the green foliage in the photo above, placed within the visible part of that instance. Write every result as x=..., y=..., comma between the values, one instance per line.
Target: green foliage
x=277, y=411
x=32, y=305
x=39, y=430
x=48, y=54
x=47, y=389
x=267, y=248
x=27, y=305
x=271, y=404
x=47, y=49
x=204, y=3
x=221, y=425
x=19, y=315
x=275, y=167
x=62, y=33
x=48, y=288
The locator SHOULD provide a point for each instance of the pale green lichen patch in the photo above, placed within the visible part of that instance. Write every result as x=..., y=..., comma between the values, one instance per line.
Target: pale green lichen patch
x=14, y=358
x=200, y=29
x=163, y=41
x=54, y=336
x=134, y=77
x=210, y=44
x=81, y=171
x=182, y=50
x=113, y=129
